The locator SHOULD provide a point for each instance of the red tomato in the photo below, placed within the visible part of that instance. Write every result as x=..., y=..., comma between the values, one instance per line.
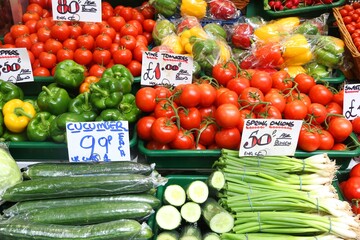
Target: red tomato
x=208, y=95
x=334, y=108
x=245, y=114
x=228, y=97
x=18, y=30
x=269, y=112
x=320, y=94
x=34, y=7
x=60, y=31
x=340, y=128
x=109, y=31
x=146, y=99
x=252, y=98
x=143, y=127
x=356, y=125
x=261, y=80
x=355, y=171
x=116, y=22
x=85, y=41
x=52, y=45
x=190, y=118
x=31, y=24
x=190, y=96
x=339, y=147
x=75, y=31
x=47, y=60
x=352, y=188
x=227, y=115
x=8, y=39
x=326, y=140
x=305, y=82
x=302, y=97
x=44, y=22
x=148, y=25
x=122, y=56
x=281, y=80
x=43, y=34
x=317, y=113
x=228, y=138
x=296, y=110
x=165, y=108
x=97, y=70
x=137, y=25
x=103, y=41
x=126, y=13
x=339, y=97
x=276, y=99
x=138, y=51
x=70, y=44
x=238, y=84
x=163, y=130
x=91, y=28
x=41, y=72
x=153, y=145
x=135, y=68
x=207, y=133
x=64, y=54
x=128, y=42
x=183, y=140
x=223, y=73
x=207, y=111
x=309, y=140
x=129, y=29
x=101, y=56
x=83, y=56
x=23, y=41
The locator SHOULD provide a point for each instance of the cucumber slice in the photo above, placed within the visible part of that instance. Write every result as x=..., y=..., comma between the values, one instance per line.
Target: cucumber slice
x=217, y=218
x=168, y=217
x=216, y=180
x=197, y=191
x=190, y=232
x=174, y=195
x=168, y=235
x=191, y=212
x=211, y=236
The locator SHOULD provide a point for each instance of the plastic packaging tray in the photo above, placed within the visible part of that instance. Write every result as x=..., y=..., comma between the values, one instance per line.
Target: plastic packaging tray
x=204, y=159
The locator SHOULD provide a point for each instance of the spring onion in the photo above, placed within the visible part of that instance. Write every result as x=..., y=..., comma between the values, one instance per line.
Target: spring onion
x=267, y=236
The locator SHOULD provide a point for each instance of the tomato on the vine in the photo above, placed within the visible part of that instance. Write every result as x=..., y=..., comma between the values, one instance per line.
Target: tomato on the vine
x=228, y=97
x=275, y=99
x=146, y=99
x=207, y=94
x=340, y=128
x=164, y=130
x=228, y=138
x=281, y=80
x=261, y=80
x=309, y=139
x=165, y=108
x=355, y=171
x=223, y=73
x=154, y=145
x=304, y=82
x=238, y=84
x=244, y=114
x=227, y=115
x=320, y=94
x=184, y=140
x=269, y=112
x=356, y=125
x=207, y=133
x=252, y=98
x=190, y=95
x=326, y=140
x=143, y=127
x=296, y=110
x=190, y=118
x=317, y=113
x=352, y=188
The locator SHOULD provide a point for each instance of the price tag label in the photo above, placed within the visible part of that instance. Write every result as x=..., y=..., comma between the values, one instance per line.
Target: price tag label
x=351, y=108
x=15, y=65
x=77, y=10
x=104, y=141
x=159, y=68
x=269, y=137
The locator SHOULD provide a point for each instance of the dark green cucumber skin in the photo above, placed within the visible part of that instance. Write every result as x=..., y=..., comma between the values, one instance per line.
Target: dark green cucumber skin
x=41, y=170
x=123, y=229
x=78, y=186
x=27, y=206
x=145, y=233
x=89, y=213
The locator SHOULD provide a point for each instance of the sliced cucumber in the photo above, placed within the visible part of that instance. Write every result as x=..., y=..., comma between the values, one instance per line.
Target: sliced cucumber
x=168, y=217
x=211, y=236
x=191, y=212
x=174, y=195
x=216, y=180
x=190, y=232
x=168, y=235
x=216, y=217
x=197, y=191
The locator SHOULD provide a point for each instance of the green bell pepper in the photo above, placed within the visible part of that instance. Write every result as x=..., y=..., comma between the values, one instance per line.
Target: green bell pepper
x=110, y=114
x=329, y=51
x=128, y=108
x=166, y=8
x=55, y=100
x=206, y=53
x=14, y=137
x=8, y=91
x=34, y=103
x=1, y=123
x=106, y=93
x=122, y=74
x=317, y=70
x=58, y=125
x=38, y=129
x=69, y=74
x=81, y=105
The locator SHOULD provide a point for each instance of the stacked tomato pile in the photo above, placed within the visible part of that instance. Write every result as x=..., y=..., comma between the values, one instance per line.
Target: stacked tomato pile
x=210, y=112
x=351, y=188
x=120, y=38
x=350, y=14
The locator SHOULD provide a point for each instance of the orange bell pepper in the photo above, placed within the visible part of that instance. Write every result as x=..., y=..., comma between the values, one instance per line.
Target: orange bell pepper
x=85, y=85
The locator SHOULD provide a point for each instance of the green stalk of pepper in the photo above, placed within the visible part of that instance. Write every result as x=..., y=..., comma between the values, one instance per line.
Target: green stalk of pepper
x=34, y=103
x=69, y=74
x=81, y=105
x=106, y=93
x=14, y=137
x=38, y=129
x=8, y=91
x=122, y=74
x=206, y=53
x=110, y=114
x=55, y=100
x=128, y=108
x=58, y=125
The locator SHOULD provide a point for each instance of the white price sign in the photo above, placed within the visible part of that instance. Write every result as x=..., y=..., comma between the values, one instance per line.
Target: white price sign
x=77, y=10
x=104, y=141
x=160, y=68
x=15, y=65
x=269, y=137
x=351, y=108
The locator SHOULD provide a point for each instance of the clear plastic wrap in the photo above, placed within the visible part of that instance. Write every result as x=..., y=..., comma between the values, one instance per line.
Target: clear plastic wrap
x=223, y=9
x=163, y=27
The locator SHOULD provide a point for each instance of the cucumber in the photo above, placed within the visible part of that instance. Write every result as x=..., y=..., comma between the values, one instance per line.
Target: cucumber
x=168, y=217
x=174, y=195
x=26, y=206
x=145, y=232
x=197, y=191
x=190, y=232
x=77, y=186
x=216, y=217
x=190, y=212
x=123, y=229
x=168, y=235
x=40, y=170
x=89, y=213
x=216, y=180
x=211, y=236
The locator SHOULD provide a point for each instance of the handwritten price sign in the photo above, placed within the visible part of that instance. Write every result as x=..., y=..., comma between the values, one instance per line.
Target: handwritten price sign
x=77, y=10
x=269, y=137
x=351, y=108
x=165, y=69
x=15, y=65
x=98, y=141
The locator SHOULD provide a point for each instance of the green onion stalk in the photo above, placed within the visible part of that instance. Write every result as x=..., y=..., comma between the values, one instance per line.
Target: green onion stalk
x=267, y=236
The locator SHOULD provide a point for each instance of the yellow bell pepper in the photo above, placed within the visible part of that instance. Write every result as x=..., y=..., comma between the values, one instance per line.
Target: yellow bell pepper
x=196, y=8
x=174, y=43
x=297, y=50
x=225, y=51
x=276, y=29
x=17, y=115
x=294, y=70
x=189, y=36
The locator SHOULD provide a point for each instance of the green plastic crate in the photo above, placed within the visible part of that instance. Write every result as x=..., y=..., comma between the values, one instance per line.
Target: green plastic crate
x=337, y=78
x=204, y=159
